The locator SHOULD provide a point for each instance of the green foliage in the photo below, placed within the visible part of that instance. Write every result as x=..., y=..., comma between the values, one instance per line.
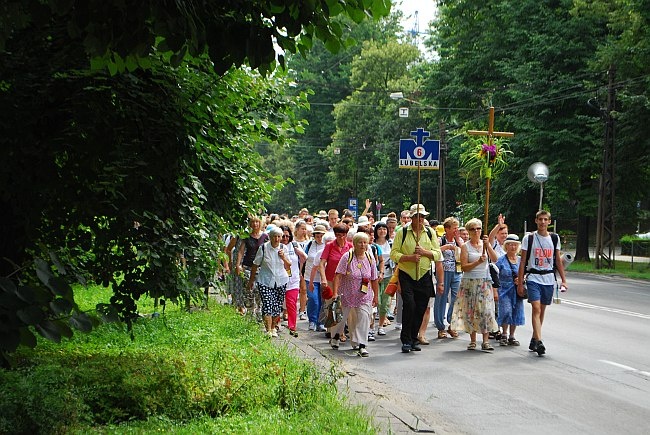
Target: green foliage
x=634, y=245
x=327, y=77
x=128, y=179
x=532, y=62
x=478, y=158
x=47, y=308
x=121, y=36
x=182, y=370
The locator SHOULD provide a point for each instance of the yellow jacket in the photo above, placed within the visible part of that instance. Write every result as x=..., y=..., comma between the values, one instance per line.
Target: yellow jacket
x=407, y=247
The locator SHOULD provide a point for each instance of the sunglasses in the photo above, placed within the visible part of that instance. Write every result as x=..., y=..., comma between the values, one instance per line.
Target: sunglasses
x=285, y=236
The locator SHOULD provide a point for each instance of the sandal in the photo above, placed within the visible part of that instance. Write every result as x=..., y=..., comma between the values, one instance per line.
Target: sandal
x=343, y=338
x=452, y=333
x=513, y=342
x=486, y=346
x=503, y=342
x=471, y=346
x=442, y=333
x=423, y=340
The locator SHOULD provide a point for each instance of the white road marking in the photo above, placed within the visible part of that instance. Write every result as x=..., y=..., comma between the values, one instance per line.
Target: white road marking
x=611, y=310
x=615, y=364
x=624, y=367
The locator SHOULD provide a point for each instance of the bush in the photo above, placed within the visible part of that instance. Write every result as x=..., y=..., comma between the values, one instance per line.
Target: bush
x=631, y=245
x=182, y=368
x=39, y=400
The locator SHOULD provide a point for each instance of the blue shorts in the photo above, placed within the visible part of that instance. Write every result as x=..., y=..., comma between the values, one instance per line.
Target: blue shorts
x=540, y=292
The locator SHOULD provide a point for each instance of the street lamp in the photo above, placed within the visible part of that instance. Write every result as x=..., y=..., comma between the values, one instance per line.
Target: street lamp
x=538, y=173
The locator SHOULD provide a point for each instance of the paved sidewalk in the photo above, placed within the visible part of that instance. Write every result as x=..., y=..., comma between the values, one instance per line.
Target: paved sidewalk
x=388, y=414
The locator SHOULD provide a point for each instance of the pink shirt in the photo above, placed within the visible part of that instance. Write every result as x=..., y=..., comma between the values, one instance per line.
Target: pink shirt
x=333, y=253
x=352, y=274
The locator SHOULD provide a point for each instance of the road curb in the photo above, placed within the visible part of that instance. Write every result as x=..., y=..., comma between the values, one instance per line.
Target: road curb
x=387, y=416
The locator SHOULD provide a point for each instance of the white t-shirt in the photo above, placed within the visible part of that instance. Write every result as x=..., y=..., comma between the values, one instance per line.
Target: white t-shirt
x=388, y=264
x=313, y=260
x=541, y=258
x=294, y=279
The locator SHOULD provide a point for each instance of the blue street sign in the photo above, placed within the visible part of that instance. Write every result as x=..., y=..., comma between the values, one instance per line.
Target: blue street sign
x=418, y=152
x=352, y=206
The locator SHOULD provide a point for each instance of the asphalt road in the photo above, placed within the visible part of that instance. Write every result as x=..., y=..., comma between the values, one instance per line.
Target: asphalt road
x=595, y=377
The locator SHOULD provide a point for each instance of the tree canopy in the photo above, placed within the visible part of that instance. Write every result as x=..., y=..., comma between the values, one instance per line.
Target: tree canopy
x=544, y=66
x=128, y=144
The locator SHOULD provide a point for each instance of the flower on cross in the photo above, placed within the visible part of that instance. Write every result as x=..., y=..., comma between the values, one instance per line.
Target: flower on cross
x=480, y=156
x=489, y=151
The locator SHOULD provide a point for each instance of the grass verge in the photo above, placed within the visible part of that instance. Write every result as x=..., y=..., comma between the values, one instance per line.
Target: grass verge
x=626, y=269
x=209, y=371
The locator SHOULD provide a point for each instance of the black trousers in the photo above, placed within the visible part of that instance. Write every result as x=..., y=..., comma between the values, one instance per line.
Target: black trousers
x=415, y=299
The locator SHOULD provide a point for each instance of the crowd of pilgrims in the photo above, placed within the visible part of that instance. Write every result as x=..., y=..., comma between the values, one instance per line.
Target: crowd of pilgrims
x=292, y=269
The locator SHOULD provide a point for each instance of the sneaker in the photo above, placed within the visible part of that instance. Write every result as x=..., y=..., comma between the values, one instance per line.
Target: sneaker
x=268, y=334
x=533, y=345
x=381, y=331
x=274, y=333
x=415, y=347
x=390, y=316
x=363, y=352
x=321, y=328
x=312, y=326
x=406, y=348
x=371, y=336
x=303, y=315
x=398, y=326
x=293, y=333
x=540, y=348
x=334, y=343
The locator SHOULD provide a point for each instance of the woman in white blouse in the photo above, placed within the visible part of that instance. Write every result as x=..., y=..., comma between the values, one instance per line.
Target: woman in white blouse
x=272, y=279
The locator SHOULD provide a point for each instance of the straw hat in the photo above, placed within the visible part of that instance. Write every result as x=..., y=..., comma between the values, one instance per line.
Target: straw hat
x=418, y=209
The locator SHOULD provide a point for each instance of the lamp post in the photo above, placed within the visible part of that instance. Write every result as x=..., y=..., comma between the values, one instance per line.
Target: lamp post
x=538, y=173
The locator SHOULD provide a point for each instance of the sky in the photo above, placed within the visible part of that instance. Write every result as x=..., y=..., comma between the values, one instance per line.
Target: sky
x=425, y=13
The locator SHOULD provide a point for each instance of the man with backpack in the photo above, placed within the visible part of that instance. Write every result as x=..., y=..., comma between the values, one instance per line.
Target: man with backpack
x=414, y=249
x=541, y=250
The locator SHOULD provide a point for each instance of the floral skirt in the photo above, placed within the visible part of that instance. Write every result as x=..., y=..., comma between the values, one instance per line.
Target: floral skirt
x=474, y=307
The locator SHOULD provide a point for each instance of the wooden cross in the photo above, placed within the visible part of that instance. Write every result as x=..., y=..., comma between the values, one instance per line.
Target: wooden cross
x=490, y=133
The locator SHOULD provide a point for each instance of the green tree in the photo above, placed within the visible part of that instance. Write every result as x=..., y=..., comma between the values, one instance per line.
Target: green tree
x=531, y=60
x=627, y=49
x=368, y=128
x=326, y=76
x=126, y=174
